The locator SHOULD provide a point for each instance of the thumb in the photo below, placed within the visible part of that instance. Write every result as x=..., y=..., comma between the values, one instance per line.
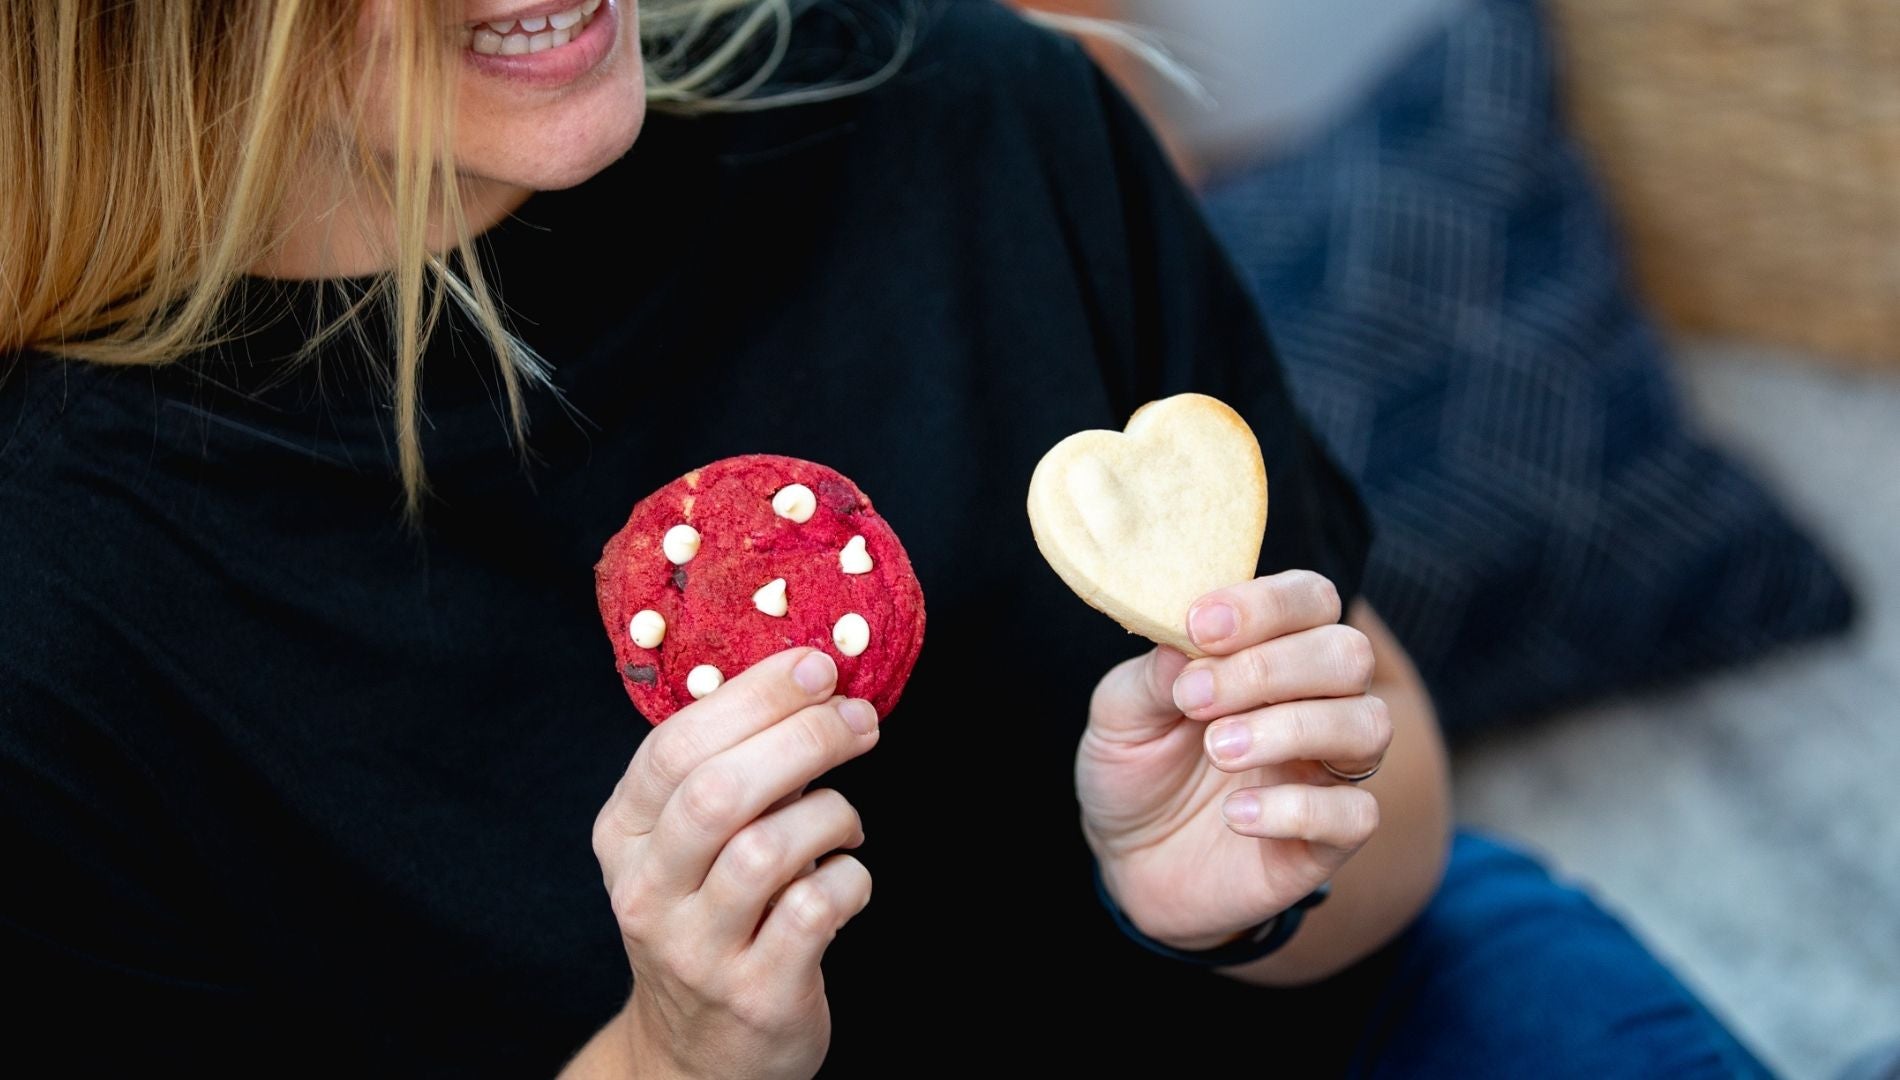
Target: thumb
x=1134, y=702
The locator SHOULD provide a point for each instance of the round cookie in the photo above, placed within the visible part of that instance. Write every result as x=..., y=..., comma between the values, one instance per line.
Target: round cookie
x=749, y=556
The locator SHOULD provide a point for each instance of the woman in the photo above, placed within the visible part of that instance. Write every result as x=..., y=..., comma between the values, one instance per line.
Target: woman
x=314, y=757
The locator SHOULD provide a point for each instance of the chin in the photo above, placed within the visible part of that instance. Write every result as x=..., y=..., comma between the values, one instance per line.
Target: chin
x=552, y=149
x=552, y=119
x=563, y=163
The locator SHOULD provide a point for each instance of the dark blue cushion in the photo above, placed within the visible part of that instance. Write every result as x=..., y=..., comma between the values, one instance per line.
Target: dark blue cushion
x=1445, y=286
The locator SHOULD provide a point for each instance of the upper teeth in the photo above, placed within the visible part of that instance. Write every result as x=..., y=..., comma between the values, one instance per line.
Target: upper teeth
x=517, y=38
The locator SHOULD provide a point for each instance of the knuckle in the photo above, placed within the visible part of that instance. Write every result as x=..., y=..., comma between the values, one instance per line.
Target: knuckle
x=669, y=759
x=813, y=733
x=1258, y=669
x=1273, y=602
x=1299, y=599
x=631, y=908
x=837, y=809
x=860, y=884
x=688, y=965
x=829, y=800
x=1154, y=676
x=606, y=835
x=710, y=798
x=756, y=854
x=1323, y=594
x=1377, y=717
x=810, y=909
x=1287, y=732
x=1365, y=816
x=1309, y=726
x=758, y=696
x=758, y=1010
x=1302, y=812
x=1353, y=655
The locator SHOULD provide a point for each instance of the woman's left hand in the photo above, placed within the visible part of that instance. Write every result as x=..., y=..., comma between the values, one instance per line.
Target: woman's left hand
x=1200, y=782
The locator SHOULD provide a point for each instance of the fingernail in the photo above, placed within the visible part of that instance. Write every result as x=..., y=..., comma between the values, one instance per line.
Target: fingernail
x=858, y=715
x=1212, y=622
x=815, y=673
x=1229, y=741
x=1194, y=690
x=1241, y=810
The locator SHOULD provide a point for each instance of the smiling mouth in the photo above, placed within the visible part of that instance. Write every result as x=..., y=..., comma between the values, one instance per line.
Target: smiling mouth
x=522, y=37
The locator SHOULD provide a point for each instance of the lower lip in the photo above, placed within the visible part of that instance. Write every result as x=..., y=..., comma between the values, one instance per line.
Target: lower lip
x=561, y=65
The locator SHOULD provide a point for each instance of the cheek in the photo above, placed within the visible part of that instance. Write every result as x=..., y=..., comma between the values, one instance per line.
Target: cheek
x=370, y=75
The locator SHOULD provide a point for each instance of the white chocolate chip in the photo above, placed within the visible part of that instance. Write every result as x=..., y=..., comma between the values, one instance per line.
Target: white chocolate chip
x=680, y=543
x=795, y=502
x=771, y=598
x=854, y=559
x=852, y=634
x=703, y=680
x=648, y=629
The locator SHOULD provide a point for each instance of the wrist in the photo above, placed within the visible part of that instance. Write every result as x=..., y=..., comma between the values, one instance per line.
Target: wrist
x=612, y=1054
x=649, y=1053
x=1205, y=941
x=1220, y=950
x=1114, y=898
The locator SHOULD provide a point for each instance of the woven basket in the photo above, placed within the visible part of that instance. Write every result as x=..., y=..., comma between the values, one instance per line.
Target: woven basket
x=1753, y=150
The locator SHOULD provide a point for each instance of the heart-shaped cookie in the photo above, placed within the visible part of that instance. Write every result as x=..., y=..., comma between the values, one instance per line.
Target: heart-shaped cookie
x=1142, y=522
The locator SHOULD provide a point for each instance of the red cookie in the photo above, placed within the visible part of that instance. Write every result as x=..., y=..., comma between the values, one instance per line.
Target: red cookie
x=707, y=595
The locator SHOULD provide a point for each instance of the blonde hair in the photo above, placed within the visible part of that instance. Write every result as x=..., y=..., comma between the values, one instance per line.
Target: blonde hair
x=143, y=146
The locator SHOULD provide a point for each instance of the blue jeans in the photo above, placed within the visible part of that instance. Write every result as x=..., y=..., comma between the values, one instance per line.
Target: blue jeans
x=1509, y=973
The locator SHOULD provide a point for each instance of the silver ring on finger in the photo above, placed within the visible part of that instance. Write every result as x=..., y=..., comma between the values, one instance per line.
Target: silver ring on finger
x=1351, y=778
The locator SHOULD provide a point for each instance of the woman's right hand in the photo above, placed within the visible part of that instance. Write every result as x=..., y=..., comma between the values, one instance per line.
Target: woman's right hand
x=707, y=846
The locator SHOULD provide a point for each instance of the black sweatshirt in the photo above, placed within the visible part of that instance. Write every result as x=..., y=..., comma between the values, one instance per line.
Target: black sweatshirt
x=279, y=777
